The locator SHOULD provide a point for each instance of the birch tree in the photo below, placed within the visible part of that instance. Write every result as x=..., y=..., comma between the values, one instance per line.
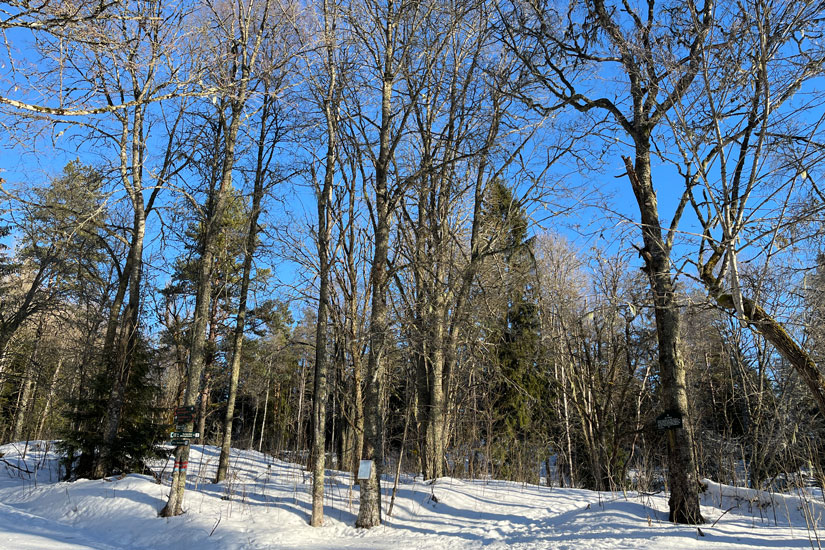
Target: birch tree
x=144, y=63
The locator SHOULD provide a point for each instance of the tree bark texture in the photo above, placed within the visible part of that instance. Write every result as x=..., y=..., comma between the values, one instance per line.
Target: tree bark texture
x=369, y=512
x=197, y=355
x=782, y=341
x=240, y=323
x=120, y=350
x=682, y=472
x=324, y=199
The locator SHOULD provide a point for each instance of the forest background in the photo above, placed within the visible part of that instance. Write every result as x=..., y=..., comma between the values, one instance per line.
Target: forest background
x=465, y=238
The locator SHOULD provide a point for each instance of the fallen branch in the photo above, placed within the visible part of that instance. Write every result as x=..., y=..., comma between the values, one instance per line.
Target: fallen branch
x=15, y=466
x=723, y=515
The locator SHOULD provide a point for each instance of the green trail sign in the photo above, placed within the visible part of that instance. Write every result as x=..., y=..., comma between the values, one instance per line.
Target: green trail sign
x=185, y=435
x=184, y=414
x=177, y=442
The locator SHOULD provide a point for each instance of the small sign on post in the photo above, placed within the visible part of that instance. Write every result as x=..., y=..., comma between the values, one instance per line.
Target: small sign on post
x=669, y=420
x=185, y=435
x=184, y=414
x=364, y=469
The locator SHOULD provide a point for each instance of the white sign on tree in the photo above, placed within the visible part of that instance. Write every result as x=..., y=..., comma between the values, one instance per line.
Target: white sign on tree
x=365, y=469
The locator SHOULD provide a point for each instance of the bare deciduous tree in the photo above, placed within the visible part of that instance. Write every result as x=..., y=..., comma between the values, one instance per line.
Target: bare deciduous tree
x=561, y=48
x=239, y=33
x=747, y=144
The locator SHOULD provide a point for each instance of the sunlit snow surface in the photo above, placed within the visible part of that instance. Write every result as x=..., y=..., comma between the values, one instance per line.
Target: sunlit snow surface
x=266, y=506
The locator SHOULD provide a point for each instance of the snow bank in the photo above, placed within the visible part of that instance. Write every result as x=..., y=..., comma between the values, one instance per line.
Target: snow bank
x=265, y=504
x=803, y=507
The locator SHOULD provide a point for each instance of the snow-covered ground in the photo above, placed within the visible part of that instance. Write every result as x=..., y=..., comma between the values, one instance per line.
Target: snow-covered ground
x=266, y=506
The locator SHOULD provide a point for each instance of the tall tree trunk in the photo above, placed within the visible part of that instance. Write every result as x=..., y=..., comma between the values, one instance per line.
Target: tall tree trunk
x=682, y=472
x=567, y=431
x=445, y=308
x=435, y=402
x=352, y=337
x=299, y=428
x=240, y=323
x=263, y=416
x=357, y=382
x=391, y=51
x=324, y=198
x=369, y=512
x=244, y=51
x=243, y=44
x=122, y=330
x=407, y=413
x=197, y=354
x=119, y=352
x=320, y=383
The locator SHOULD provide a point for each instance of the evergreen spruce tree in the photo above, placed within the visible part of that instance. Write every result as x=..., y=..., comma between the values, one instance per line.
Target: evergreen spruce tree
x=521, y=388
x=66, y=231
x=143, y=424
